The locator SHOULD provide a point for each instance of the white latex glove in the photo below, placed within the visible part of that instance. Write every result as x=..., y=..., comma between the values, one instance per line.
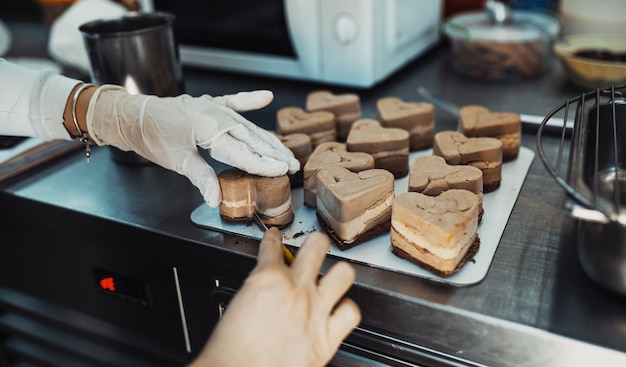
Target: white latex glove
x=168, y=131
x=285, y=316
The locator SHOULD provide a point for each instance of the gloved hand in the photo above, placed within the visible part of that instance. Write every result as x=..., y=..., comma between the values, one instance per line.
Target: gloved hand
x=168, y=131
x=285, y=316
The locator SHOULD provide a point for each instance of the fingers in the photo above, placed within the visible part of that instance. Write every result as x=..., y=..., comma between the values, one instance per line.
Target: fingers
x=258, y=139
x=310, y=257
x=343, y=316
x=270, y=249
x=202, y=176
x=235, y=153
x=342, y=321
x=246, y=101
x=263, y=143
x=336, y=282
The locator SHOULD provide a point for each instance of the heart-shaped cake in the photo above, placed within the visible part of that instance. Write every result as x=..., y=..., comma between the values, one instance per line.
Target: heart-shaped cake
x=482, y=153
x=388, y=145
x=439, y=233
x=346, y=108
x=354, y=207
x=301, y=147
x=418, y=118
x=477, y=121
x=320, y=126
x=299, y=144
x=431, y=175
x=330, y=155
x=243, y=194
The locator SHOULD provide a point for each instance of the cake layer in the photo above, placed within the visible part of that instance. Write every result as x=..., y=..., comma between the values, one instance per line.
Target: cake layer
x=355, y=231
x=323, y=137
x=298, y=143
x=329, y=155
x=431, y=175
x=351, y=204
x=243, y=194
x=348, y=194
x=233, y=206
x=396, y=164
x=394, y=112
x=403, y=249
x=388, y=146
x=419, y=140
x=511, y=144
x=457, y=148
x=272, y=195
x=345, y=104
x=301, y=146
x=448, y=220
x=417, y=118
x=279, y=221
x=367, y=135
x=345, y=107
x=436, y=230
x=482, y=153
x=237, y=214
x=295, y=120
x=478, y=121
x=319, y=125
x=492, y=174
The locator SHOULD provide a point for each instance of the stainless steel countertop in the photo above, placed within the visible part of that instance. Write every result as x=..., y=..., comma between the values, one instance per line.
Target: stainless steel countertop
x=535, y=306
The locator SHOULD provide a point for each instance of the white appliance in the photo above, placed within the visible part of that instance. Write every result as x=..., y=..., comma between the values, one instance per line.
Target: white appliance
x=344, y=42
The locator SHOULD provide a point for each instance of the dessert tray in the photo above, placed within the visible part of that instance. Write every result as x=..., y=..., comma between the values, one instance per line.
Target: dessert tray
x=377, y=251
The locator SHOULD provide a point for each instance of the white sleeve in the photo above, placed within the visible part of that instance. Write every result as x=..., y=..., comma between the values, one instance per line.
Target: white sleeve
x=32, y=102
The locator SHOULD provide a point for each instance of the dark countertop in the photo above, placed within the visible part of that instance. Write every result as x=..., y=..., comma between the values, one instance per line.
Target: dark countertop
x=536, y=306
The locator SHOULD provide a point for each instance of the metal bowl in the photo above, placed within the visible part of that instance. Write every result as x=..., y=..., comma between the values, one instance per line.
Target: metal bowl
x=595, y=180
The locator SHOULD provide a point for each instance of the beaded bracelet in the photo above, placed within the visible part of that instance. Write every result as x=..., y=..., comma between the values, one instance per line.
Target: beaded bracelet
x=83, y=136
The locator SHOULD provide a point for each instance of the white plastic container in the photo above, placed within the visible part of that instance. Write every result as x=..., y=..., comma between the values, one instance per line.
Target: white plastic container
x=510, y=52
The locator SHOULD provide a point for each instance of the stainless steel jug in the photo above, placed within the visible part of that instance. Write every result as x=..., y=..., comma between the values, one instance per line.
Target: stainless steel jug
x=138, y=52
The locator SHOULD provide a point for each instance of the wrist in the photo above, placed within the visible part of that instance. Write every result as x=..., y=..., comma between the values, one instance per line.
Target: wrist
x=75, y=111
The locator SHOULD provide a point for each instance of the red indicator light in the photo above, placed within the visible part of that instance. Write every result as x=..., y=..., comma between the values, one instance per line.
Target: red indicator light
x=121, y=287
x=108, y=283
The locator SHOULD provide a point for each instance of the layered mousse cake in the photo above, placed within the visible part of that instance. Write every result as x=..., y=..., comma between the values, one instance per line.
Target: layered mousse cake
x=482, y=153
x=345, y=107
x=354, y=207
x=236, y=204
x=330, y=155
x=478, y=121
x=319, y=126
x=388, y=146
x=418, y=118
x=439, y=233
x=432, y=175
x=301, y=147
x=243, y=194
x=273, y=201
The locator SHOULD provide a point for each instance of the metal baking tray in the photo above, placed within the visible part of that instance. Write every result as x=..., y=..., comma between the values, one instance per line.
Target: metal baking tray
x=377, y=251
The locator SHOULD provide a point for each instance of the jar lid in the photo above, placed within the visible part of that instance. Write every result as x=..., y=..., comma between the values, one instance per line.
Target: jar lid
x=524, y=26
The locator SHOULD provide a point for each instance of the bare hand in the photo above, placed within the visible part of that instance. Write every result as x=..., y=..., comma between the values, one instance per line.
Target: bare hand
x=285, y=316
